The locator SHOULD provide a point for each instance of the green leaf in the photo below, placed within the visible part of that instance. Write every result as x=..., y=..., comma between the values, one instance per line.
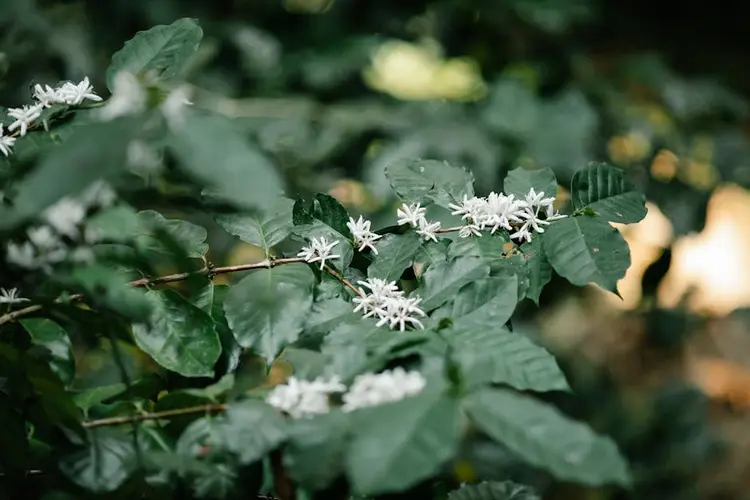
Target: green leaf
x=318, y=229
x=587, y=250
x=252, y=429
x=190, y=237
x=545, y=438
x=231, y=351
x=397, y=445
x=164, y=48
x=266, y=310
x=314, y=454
x=213, y=152
x=540, y=270
x=512, y=109
x=443, y=280
x=96, y=395
x=117, y=223
x=110, y=288
x=607, y=190
x=519, y=182
x=494, y=490
x=48, y=334
x=71, y=168
x=396, y=252
x=104, y=465
x=428, y=181
x=489, y=247
x=33, y=145
x=485, y=301
x=179, y=336
x=322, y=207
x=264, y=230
x=327, y=314
x=491, y=354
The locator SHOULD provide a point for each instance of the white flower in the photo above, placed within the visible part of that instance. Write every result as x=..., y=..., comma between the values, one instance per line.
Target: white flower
x=24, y=117
x=386, y=302
x=303, y=398
x=469, y=230
x=73, y=94
x=11, y=296
x=65, y=216
x=372, y=389
x=82, y=255
x=427, y=230
x=128, y=97
x=99, y=194
x=363, y=237
x=22, y=255
x=173, y=107
x=43, y=238
x=47, y=96
x=6, y=142
x=410, y=214
x=552, y=215
x=319, y=250
x=400, y=311
x=142, y=158
x=534, y=199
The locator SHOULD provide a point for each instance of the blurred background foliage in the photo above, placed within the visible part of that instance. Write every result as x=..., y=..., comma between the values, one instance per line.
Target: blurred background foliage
x=334, y=90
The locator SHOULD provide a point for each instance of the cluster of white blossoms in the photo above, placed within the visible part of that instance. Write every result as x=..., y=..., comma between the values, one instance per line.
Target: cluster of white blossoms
x=362, y=234
x=414, y=215
x=11, y=296
x=387, y=303
x=520, y=217
x=71, y=94
x=319, y=250
x=45, y=245
x=302, y=398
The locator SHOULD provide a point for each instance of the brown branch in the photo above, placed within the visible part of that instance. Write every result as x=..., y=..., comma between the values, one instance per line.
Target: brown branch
x=180, y=412
x=343, y=280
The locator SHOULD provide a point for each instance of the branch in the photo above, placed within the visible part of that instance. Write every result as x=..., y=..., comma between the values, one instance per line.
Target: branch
x=208, y=271
x=180, y=412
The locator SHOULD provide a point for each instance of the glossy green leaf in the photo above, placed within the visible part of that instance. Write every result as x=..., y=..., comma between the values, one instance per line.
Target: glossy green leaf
x=494, y=490
x=252, y=429
x=212, y=151
x=544, y=437
x=587, y=250
x=314, y=454
x=428, y=181
x=443, y=280
x=607, y=190
x=179, y=336
x=190, y=237
x=264, y=229
x=540, y=270
x=267, y=309
x=490, y=353
x=520, y=181
x=164, y=48
x=397, y=445
x=396, y=252
x=48, y=334
x=104, y=464
x=322, y=207
x=485, y=301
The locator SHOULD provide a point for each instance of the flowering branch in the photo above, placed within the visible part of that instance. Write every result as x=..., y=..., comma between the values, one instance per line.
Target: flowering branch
x=179, y=412
x=171, y=278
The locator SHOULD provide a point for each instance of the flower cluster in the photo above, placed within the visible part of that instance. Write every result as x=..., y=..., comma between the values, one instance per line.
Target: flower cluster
x=499, y=211
x=319, y=250
x=70, y=94
x=302, y=398
x=11, y=296
x=46, y=246
x=362, y=234
x=414, y=215
x=387, y=303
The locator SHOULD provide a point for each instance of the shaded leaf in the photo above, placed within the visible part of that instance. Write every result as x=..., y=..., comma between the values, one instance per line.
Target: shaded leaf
x=267, y=309
x=544, y=437
x=540, y=270
x=106, y=462
x=190, y=237
x=494, y=490
x=109, y=287
x=327, y=314
x=444, y=279
x=396, y=252
x=607, y=190
x=485, y=301
x=265, y=229
x=48, y=334
x=116, y=223
x=519, y=182
x=430, y=181
x=179, y=336
x=252, y=429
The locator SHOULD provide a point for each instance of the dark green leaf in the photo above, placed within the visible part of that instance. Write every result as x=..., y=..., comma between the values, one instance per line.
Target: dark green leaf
x=485, y=301
x=164, y=48
x=231, y=351
x=512, y=109
x=587, y=250
x=490, y=247
x=494, y=490
x=252, y=429
x=544, y=437
x=607, y=190
x=540, y=270
x=314, y=455
x=179, y=336
x=428, y=181
x=110, y=287
x=190, y=237
x=266, y=310
x=327, y=314
x=318, y=229
x=48, y=334
x=105, y=463
x=443, y=280
x=396, y=252
x=264, y=230
x=117, y=223
x=213, y=152
x=92, y=397
x=519, y=182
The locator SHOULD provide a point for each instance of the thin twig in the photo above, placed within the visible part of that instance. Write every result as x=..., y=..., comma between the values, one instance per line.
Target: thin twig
x=449, y=229
x=343, y=280
x=179, y=412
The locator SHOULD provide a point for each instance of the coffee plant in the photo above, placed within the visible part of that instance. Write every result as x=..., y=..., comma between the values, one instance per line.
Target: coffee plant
x=399, y=338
